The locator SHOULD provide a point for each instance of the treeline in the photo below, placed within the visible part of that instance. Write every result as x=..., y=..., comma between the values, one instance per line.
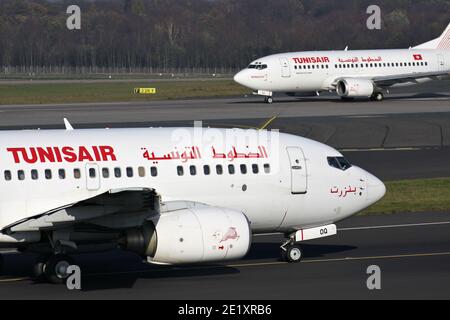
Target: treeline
x=182, y=34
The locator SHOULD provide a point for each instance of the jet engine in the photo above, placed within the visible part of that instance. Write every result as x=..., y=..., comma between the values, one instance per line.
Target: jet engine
x=195, y=235
x=349, y=88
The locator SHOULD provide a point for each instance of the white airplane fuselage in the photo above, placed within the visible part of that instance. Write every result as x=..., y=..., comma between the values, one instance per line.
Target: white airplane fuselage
x=282, y=183
x=315, y=71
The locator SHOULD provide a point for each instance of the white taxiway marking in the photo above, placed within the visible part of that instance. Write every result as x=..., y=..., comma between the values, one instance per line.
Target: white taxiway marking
x=397, y=226
x=426, y=224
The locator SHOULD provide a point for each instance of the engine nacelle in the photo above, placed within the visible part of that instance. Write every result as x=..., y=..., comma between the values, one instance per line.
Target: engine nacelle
x=355, y=88
x=195, y=235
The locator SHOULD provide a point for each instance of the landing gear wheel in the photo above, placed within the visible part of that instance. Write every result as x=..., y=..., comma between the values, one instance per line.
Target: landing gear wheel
x=55, y=270
x=269, y=100
x=377, y=96
x=293, y=253
x=38, y=269
x=2, y=264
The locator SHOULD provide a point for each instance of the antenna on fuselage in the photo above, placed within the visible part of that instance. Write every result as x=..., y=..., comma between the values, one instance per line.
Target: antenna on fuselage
x=68, y=125
x=346, y=48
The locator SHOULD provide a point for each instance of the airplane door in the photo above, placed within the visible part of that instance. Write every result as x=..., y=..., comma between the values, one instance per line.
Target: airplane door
x=299, y=173
x=285, y=68
x=92, y=177
x=441, y=63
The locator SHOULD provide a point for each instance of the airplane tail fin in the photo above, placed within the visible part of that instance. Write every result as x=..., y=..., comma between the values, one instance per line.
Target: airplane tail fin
x=441, y=43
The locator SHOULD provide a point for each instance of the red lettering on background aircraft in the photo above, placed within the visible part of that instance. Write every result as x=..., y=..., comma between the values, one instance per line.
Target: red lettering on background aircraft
x=311, y=60
x=33, y=155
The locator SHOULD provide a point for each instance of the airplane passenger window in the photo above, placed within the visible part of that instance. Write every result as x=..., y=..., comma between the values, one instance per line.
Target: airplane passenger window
x=117, y=172
x=8, y=175
x=154, y=171
x=141, y=172
x=48, y=174
x=243, y=169
x=105, y=173
x=231, y=169
x=77, y=173
x=219, y=169
x=255, y=168
x=130, y=172
x=267, y=168
x=62, y=174
x=34, y=174
x=193, y=170
x=180, y=171
x=21, y=175
x=206, y=170
x=92, y=173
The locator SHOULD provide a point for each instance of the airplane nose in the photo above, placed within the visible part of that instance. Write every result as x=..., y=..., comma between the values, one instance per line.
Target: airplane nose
x=375, y=189
x=239, y=78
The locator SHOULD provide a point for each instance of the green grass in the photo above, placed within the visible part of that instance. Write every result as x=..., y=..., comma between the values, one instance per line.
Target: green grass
x=47, y=93
x=414, y=196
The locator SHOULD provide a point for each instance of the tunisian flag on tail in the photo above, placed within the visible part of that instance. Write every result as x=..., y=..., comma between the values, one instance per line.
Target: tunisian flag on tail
x=418, y=57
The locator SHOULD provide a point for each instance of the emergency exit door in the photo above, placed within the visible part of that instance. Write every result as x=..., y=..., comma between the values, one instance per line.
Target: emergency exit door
x=299, y=172
x=92, y=177
x=285, y=68
x=441, y=63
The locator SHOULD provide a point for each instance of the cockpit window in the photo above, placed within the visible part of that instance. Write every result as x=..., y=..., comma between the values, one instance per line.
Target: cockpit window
x=258, y=66
x=339, y=163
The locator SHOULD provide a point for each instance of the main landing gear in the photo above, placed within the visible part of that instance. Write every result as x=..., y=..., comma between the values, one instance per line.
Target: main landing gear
x=377, y=96
x=2, y=263
x=52, y=269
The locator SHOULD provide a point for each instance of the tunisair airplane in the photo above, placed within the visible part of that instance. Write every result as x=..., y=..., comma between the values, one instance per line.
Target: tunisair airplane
x=349, y=73
x=65, y=192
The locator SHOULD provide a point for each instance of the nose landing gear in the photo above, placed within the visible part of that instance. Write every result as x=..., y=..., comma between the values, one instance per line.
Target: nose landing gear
x=268, y=100
x=291, y=251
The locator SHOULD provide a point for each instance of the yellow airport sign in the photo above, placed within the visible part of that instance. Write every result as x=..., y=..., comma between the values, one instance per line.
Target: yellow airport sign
x=145, y=90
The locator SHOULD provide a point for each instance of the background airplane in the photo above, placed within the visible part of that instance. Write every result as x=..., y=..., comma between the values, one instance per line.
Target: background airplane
x=72, y=191
x=351, y=74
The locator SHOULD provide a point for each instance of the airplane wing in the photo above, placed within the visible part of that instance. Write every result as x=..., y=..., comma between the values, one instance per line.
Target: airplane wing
x=138, y=203
x=386, y=81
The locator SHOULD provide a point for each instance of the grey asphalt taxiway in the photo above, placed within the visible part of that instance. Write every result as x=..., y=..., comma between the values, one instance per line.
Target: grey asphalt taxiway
x=412, y=251
x=407, y=136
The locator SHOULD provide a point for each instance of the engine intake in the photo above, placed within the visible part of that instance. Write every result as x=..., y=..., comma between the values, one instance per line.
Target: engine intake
x=196, y=235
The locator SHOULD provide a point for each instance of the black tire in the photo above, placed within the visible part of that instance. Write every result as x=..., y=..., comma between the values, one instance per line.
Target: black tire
x=379, y=96
x=38, y=269
x=54, y=268
x=269, y=100
x=2, y=265
x=294, y=253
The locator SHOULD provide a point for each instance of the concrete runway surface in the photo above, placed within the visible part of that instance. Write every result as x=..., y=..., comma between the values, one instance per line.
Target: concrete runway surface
x=406, y=136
